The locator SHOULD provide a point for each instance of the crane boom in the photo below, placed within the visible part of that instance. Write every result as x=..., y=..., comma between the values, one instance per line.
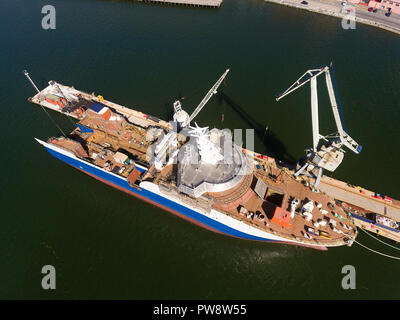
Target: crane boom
x=333, y=101
x=208, y=96
x=311, y=75
x=30, y=80
x=307, y=76
x=327, y=155
x=314, y=112
x=346, y=139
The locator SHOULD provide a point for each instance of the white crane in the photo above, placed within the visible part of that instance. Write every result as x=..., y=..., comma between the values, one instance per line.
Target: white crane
x=329, y=154
x=26, y=73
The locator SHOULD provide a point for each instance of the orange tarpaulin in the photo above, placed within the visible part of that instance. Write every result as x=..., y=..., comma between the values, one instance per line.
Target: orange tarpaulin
x=282, y=218
x=133, y=176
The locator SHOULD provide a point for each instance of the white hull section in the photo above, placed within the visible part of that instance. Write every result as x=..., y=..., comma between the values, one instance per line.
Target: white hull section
x=213, y=219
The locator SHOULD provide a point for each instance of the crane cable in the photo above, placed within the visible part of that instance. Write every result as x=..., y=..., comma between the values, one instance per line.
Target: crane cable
x=72, y=121
x=55, y=123
x=39, y=92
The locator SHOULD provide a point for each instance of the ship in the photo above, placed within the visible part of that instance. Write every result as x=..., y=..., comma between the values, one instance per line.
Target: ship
x=196, y=173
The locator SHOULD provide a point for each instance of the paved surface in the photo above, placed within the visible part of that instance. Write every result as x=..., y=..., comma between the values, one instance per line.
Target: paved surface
x=333, y=188
x=335, y=8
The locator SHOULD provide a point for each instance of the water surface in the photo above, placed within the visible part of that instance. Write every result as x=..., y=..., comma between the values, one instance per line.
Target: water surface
x=106, y=244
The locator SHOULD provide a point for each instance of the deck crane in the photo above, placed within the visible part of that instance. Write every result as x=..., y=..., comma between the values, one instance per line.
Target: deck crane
x=329, y=153
x=182, y=118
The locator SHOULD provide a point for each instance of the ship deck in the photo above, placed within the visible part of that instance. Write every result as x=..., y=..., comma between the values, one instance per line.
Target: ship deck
x=359, y=197
x=78, y=98
x=135, y=144
x=263, y=210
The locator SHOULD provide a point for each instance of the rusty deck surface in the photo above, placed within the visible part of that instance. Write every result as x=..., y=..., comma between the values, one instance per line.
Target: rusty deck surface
x=356, y=196
x=293, y=188
x=102, y=143
x=340, y=190
x=132, y=138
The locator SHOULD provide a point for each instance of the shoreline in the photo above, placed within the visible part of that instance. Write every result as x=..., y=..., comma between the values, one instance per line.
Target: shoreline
x=331, y=10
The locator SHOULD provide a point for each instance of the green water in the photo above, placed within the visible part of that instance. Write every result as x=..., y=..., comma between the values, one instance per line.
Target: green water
x=106, y=244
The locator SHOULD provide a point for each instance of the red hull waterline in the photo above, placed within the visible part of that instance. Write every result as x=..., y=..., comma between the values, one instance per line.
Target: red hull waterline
x=192, y=220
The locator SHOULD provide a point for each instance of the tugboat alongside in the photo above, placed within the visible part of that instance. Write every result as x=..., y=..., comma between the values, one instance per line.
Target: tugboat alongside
x=194, y=172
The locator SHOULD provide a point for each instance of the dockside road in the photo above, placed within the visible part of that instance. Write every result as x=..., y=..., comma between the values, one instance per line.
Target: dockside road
x=334, y=8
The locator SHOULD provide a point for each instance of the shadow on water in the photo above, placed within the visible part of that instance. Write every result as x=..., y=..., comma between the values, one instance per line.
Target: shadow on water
x=169, y=110
x=274, y=146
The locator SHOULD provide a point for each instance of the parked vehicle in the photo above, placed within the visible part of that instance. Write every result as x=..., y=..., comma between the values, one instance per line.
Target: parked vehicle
x=304, y=2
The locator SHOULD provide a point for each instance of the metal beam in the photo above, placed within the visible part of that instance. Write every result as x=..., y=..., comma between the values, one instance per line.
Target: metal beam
x=318, y=177
x=311, y=75
x=307, y=76
x=314, y=113
x=208, y=96
x=348, y=141
x=30, y=80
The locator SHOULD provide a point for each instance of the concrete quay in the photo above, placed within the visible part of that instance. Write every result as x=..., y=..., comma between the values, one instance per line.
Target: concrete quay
x=334, y=8
x=196, y=3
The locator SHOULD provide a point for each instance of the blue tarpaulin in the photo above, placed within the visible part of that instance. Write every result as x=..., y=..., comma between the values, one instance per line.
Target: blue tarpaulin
x=96, y=107
x=84, y=129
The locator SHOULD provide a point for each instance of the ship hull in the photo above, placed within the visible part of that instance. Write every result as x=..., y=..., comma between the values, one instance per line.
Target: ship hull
x=149, y=192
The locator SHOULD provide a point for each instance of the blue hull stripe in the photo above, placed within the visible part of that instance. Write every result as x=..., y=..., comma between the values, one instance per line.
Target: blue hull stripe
x=156, y=198
x=374, y=223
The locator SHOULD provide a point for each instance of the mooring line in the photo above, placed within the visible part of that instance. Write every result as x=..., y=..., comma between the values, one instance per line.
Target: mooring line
x=377, y=252
x=380, y=240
